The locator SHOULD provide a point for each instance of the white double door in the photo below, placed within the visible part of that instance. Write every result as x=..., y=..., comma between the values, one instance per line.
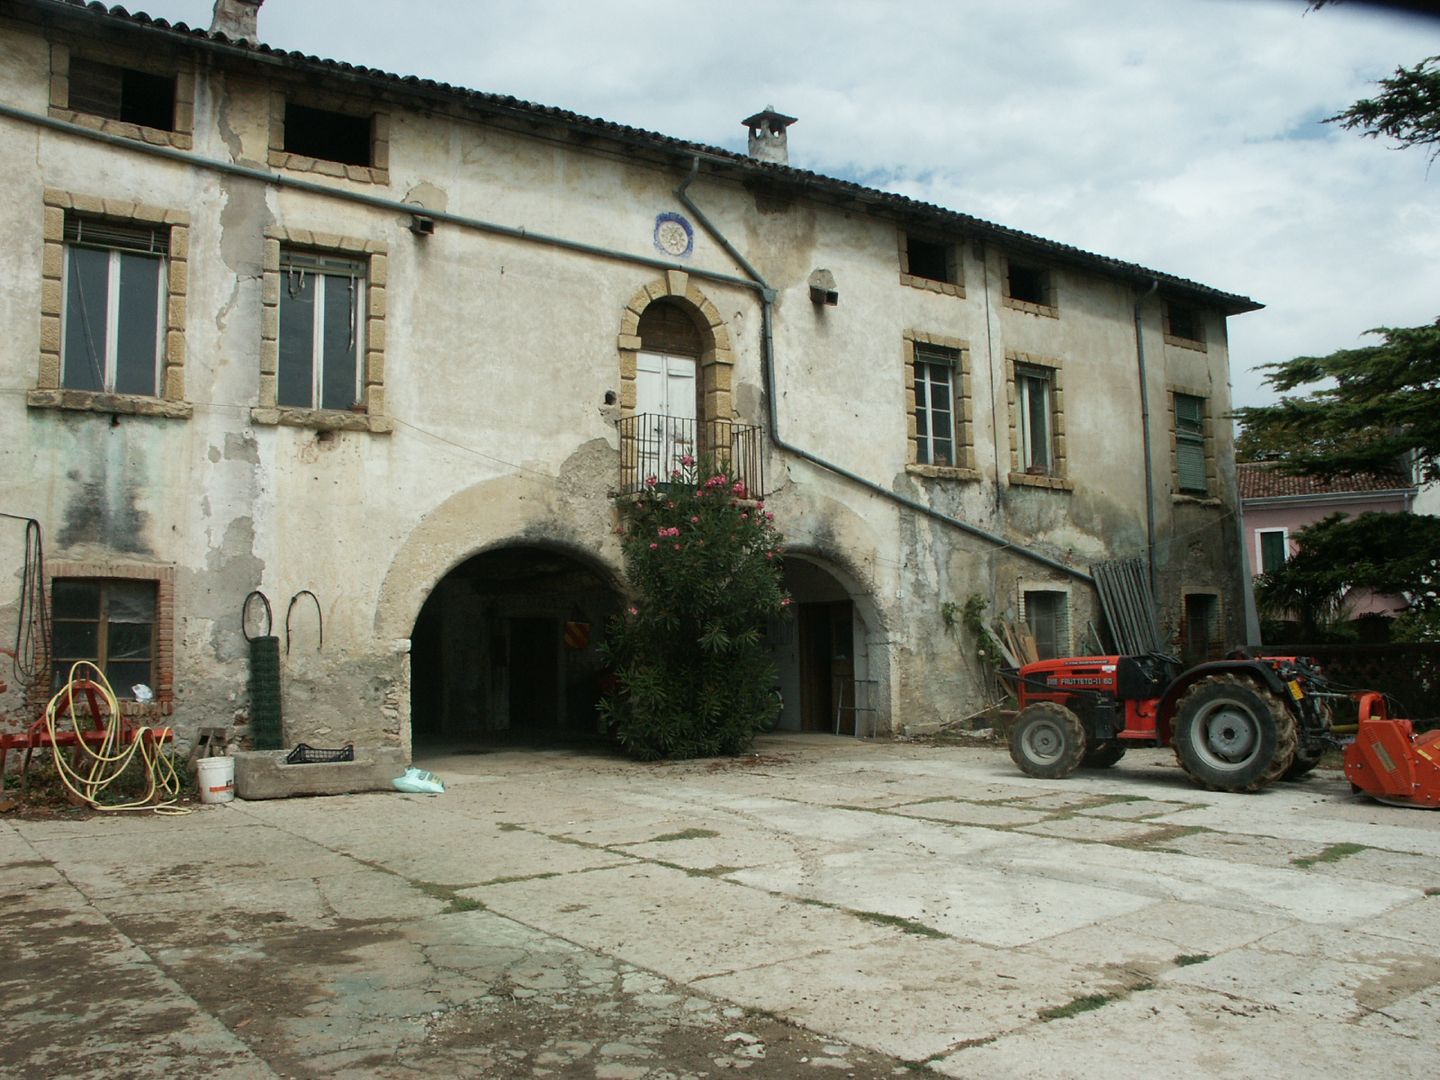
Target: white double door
x=665, y=401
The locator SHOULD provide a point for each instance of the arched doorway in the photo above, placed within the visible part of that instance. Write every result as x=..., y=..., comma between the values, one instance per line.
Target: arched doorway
x=504, y=651
x=822, y=655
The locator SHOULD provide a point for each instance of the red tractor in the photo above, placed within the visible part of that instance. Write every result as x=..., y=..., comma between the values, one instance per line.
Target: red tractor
x=1236, y=725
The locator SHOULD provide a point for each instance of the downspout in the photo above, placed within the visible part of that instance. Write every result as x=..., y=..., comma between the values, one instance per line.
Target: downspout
x=1145, y=436
x=767, y=360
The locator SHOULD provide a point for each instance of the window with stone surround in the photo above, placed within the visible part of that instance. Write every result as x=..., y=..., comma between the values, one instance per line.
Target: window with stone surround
x=120, y=617
x=114, y=283
x=330, y=135
x=1194, y=463
x=322, y=361
x=927, y=262
x=937, y=397
x=1184, y=326
x=1030, y=288
x=1038, y=449
x=122, y=94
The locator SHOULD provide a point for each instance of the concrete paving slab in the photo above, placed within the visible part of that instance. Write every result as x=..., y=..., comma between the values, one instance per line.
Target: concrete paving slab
x=1098, y=830
x=1157, y=936
x=1312, y=985
x=647, y=916
x=970, y=902
x=970, y=813
x=1169, y=1032
x=1391, y=867
x=906, y=996
x=1140, y=808
x=1240, y=848
x=1413, y=923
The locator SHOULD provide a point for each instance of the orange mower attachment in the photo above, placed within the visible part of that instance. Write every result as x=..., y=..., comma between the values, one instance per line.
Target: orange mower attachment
x=1389, y=762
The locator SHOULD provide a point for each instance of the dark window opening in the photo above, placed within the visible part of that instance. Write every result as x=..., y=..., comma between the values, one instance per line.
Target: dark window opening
x=1202, y=628
x=1029, y=284
x=930, y=260
x=1184, y=322
x=332, y=136
x=116, y=93
x=109, y=622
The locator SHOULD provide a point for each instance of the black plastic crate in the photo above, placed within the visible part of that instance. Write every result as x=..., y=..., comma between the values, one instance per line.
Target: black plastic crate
x=316, y=755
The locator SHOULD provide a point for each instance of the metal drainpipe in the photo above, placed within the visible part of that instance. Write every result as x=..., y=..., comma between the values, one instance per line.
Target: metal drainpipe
x=767, y=359
x=1145, y=436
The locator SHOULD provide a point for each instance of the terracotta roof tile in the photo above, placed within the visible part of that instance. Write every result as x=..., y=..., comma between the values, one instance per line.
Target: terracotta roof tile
x=1262, y=480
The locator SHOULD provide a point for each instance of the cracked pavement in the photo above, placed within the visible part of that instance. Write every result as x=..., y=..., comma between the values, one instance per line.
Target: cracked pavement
x=824, y=906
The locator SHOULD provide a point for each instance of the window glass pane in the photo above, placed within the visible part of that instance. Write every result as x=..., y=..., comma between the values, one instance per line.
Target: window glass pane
x=337, y=371
x=75, y=599
x=76, y=640
x=86, y=288
x=123, y=676
x=943, y=452
x=129, y=641
x=131, y=601
x=138, y=332
x=295, y=382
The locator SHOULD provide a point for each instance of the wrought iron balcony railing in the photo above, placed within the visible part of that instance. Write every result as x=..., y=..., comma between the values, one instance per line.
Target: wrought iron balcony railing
x=652, y=445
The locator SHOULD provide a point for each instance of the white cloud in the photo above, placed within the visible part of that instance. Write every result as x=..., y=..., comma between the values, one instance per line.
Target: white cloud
x=1180, y=135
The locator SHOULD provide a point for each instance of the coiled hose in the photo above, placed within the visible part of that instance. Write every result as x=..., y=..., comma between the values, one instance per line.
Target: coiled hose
x=113, y=756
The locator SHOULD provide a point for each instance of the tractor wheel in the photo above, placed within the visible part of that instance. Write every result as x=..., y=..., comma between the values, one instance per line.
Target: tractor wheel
x=1047, y=741
x=1102, y=755
x=1231, y=735
x=1306, y=758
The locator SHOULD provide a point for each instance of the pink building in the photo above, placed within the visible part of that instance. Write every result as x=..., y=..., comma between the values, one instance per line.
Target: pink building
x=1275, y=506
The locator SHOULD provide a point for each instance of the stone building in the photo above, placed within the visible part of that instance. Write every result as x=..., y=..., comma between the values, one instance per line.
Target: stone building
x=278, y=323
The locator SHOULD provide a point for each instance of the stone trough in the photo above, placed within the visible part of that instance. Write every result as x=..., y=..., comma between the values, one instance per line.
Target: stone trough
x=263, y=774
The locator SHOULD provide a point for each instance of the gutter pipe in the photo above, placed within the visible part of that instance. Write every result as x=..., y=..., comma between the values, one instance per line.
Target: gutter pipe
x=767, y=357
x=1145, y=436
x=754, y=283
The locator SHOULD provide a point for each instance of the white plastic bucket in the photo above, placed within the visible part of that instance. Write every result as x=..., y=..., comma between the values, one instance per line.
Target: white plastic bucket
x=216, y=778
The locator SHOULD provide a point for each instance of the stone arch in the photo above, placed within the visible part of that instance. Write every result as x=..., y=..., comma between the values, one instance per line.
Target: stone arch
x=717, y=356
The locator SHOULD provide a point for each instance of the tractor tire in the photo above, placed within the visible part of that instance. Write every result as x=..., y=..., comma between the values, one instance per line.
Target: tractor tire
x=1306, y=758
x=1231, y=735
x=1047, y=741
x=1102, y=755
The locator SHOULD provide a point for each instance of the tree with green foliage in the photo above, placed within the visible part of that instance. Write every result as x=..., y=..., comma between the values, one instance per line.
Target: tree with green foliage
x=1374, y=409
x=1394, y=554
x=1407, y=109
x=692, y=670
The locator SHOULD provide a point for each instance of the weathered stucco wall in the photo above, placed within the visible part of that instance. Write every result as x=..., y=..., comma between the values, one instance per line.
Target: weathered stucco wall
x=497, y=356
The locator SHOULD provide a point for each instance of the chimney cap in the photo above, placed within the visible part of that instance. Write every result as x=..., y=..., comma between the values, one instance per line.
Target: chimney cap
x=769, y=119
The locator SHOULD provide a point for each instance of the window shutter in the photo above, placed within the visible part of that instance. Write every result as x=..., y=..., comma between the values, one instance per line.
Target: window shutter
x=1190, y=443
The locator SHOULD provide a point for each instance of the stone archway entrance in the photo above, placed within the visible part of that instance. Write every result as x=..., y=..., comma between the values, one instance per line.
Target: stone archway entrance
x=504, y=651
x=822, y=655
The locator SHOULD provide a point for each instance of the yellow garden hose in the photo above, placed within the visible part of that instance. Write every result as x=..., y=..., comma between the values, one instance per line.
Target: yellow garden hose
x=113, y=756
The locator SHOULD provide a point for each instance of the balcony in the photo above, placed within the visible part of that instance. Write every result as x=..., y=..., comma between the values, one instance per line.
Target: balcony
x=656, y=445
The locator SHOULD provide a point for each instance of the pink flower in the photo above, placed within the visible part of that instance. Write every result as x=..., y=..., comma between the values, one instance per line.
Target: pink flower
x=744, y=517
x=651, y=481
x=674, y=474
x=633, y=610
x=695, y=519
x=768, y=554
x=688, y=459
x=677, y=547
x=654, y=546
x=759, y=504
x=769, y=516
x=786, y=602
x=739, y=488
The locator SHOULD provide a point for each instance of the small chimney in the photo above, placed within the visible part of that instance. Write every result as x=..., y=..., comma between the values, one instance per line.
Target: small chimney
x=767, y=135
x=236, y=19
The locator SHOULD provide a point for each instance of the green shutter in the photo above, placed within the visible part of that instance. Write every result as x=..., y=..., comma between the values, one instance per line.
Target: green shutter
x=1190, y=443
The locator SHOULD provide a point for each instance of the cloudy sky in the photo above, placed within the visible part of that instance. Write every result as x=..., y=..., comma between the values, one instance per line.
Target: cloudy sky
x=1180, y=134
